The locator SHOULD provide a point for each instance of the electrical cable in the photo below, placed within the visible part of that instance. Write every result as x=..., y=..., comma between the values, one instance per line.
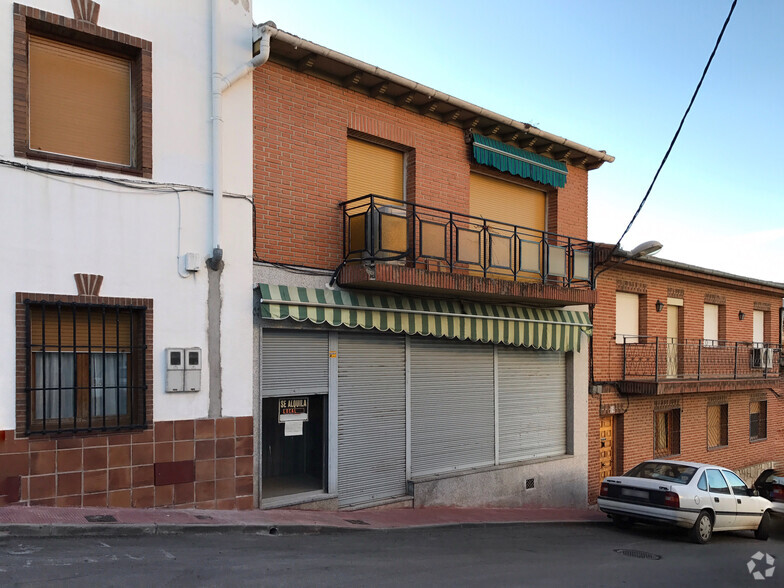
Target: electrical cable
x=680, y=126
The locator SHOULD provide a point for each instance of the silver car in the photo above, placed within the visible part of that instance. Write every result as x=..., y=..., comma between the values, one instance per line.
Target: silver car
x=696, y=496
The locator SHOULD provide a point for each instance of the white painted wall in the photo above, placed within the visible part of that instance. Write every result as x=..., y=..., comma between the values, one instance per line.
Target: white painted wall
x=53, y=228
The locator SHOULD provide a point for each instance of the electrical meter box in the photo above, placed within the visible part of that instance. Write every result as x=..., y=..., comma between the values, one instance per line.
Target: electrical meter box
x=192, y=369
x=175, y=370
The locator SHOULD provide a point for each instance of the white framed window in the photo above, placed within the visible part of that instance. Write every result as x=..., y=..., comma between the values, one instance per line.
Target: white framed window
x=627, y=317
x=710, y=328
x=758, y=336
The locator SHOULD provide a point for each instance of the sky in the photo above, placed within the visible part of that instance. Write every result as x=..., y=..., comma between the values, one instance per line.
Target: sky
x=615, y=75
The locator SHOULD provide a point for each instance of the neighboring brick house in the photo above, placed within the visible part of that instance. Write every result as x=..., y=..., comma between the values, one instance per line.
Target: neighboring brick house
x=423, y=285
x=685, y=366
x=105, y=153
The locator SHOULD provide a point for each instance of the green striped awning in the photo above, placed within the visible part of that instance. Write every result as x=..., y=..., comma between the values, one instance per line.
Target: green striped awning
x=519, y=162
x=540, y=328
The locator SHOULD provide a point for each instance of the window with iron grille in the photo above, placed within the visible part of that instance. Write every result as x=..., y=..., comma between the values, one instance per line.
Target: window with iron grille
x=666, y=432
x=85, y=367
x=718, y=425
x=758, y=419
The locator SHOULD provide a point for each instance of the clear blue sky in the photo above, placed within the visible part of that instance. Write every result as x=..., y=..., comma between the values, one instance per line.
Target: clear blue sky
x=614, y=75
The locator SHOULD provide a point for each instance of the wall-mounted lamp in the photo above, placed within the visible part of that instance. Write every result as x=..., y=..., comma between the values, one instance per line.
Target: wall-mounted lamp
x=741, y=315
x=659, y=305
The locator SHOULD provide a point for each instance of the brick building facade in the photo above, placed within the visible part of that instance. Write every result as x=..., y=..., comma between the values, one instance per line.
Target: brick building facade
x=374, y=192
x=697, y=380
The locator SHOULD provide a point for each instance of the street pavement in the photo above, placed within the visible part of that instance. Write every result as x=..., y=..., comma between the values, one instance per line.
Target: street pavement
x=565, y=554
x=19, y=521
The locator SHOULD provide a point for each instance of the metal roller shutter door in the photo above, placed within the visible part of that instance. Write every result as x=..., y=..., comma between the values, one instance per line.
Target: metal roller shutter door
x=371, y=418
x=294, y=363
x=452, y=415
x=531, y=403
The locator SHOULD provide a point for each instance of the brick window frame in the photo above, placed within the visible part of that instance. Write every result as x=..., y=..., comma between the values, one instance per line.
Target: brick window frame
x=89, y=36
x=23, y=298
x=717, y=429
x=666, y=432
x=758, y=427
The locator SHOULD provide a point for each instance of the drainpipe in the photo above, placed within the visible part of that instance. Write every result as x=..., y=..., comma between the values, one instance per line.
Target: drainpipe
x=220, y=84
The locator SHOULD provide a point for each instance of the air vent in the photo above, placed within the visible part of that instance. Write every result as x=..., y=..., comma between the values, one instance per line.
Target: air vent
x=529, y=484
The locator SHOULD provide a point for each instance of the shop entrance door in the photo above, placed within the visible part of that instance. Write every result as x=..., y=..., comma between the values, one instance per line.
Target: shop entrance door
x=293, y=450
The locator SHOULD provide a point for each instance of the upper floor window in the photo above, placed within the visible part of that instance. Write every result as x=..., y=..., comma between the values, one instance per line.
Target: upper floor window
x=710, y=327
x=86, y=96
x=758, y=336
x=627, y=317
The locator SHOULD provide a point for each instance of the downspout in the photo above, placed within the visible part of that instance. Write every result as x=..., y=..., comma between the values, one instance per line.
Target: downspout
x=220, y=84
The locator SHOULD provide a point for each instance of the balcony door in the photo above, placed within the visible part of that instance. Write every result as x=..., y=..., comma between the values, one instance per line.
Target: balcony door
x=672, y=340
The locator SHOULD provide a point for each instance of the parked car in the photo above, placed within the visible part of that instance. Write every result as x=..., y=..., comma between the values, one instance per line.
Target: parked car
x=770, y=484
x=700, y=497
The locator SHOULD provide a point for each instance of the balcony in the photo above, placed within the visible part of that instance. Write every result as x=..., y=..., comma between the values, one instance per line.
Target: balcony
x=407, y=247
x=659, y=365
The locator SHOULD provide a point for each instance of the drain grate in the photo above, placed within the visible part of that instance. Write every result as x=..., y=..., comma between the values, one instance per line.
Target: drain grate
x=638, y=554
x=203, y=517
x=529, y=484
x=100, y=519
x=356, y=522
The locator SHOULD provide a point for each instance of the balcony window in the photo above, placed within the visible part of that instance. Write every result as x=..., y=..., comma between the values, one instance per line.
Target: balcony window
x=627, y=317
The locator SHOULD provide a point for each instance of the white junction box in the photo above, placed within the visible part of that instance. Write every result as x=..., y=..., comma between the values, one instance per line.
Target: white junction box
x=183, y=369
x=175, y=370
x=193, y=369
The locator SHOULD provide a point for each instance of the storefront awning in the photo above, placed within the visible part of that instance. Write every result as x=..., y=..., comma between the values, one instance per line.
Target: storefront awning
x=539, y=328
x=519, y=162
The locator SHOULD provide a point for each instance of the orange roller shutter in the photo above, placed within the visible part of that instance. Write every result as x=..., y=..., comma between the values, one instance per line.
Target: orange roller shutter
x=373, y=169
x=80, y=102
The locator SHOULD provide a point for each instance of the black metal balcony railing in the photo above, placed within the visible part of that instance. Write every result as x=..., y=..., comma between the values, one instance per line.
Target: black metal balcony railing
x=662, y=358
x=382, y=230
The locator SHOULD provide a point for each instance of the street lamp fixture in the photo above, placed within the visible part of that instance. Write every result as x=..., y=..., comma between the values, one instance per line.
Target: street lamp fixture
x=642, y=250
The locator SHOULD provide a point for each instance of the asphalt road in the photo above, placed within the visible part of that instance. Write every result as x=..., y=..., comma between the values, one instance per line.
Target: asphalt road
x=514, y=555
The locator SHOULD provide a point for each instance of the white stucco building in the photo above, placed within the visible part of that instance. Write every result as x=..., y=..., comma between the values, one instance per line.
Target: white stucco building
x=106, y=182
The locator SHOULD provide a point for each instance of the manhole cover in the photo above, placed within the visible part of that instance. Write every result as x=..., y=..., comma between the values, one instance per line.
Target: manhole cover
x=356, y=522
x=638, y=554
x=100, y=518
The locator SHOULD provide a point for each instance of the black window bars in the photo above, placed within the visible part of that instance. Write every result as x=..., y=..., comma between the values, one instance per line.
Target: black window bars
x=84, y=367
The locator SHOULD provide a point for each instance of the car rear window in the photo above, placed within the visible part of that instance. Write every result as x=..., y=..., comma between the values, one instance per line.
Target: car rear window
x=669, y=472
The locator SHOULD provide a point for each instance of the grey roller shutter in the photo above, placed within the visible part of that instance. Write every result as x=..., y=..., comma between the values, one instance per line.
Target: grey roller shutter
x=452, y=415
x=371, y=418
x=531, y=403
x=294, y=363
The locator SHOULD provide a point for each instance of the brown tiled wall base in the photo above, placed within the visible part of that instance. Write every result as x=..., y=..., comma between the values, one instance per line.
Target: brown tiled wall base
x=206, y=463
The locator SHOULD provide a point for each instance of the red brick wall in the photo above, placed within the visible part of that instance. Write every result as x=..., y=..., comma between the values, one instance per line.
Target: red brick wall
x=300, y=127
x=653, y=286
x=637, y=432
x=655, y=283
x=206, y=463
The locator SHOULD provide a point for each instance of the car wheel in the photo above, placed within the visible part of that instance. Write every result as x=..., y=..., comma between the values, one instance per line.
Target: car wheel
x=622, y=522
x=702, y=530
x=763, y=531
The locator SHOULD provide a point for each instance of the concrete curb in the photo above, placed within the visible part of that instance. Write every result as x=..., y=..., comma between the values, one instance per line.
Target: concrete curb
x=148, y=529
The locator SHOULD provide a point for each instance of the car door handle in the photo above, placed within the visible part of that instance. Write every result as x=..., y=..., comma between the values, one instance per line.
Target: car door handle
x=739, y=502
x=715, y=499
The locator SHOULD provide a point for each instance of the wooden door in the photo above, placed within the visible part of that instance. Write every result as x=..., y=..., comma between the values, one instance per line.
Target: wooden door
x=606, y=444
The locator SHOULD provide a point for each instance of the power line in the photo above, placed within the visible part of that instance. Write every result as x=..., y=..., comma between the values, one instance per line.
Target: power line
x=680, y=126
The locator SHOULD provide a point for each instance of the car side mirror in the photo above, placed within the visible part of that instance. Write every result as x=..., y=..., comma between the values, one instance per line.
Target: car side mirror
x=753, y=492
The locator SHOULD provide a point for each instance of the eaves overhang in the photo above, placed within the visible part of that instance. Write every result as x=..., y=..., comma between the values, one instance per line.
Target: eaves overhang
x=338, y=68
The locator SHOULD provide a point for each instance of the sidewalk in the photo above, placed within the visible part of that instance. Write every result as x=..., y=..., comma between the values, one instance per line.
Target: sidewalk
x=41, y=521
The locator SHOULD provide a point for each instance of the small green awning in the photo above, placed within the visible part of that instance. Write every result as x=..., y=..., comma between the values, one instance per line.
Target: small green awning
x=519, y=162
x=539, y=328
